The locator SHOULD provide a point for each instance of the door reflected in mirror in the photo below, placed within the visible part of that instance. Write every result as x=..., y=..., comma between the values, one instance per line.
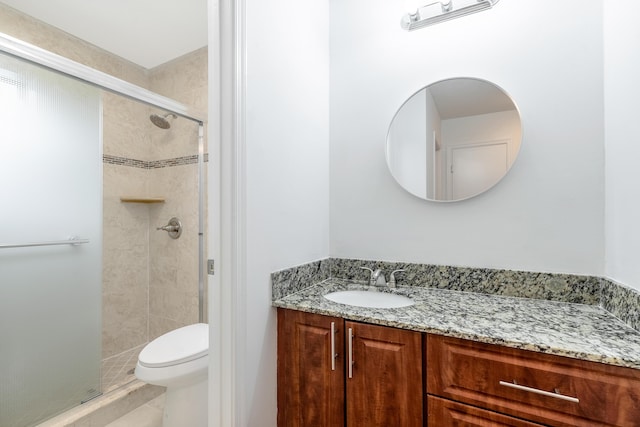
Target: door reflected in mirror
x=453, y=139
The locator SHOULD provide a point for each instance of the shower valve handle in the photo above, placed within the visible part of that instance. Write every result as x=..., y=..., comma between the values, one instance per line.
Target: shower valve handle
x=174, y=228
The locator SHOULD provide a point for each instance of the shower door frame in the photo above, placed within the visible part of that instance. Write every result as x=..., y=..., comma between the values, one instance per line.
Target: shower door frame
x=65, y=66
x=77, y=71
x=61, y=65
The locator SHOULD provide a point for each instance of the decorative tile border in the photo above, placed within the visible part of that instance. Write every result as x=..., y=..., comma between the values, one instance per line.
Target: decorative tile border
x=153, y=164
x=177, y=161
x=123, y=161
x=621, y=301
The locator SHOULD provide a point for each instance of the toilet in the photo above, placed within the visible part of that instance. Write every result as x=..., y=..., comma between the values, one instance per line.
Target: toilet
x=179, y=361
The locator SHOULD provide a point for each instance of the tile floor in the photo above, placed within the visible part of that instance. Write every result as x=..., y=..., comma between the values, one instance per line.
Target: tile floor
x=106, y=409
x=147, y=415
x=118, y=369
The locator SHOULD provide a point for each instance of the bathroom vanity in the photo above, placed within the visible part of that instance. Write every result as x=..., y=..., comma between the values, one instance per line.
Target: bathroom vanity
x=377, y=381
x=453, y=359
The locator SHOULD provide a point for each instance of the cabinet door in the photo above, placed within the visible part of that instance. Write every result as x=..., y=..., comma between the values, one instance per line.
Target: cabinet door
x=446, y=413
x=384, y=387
x=310, y=374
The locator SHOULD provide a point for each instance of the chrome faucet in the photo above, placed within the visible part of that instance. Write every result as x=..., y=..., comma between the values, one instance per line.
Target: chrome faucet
x=377, y=277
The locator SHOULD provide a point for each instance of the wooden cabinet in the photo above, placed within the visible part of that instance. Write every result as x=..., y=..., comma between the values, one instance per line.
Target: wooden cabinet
x=337, y=373
x=547, y=389
x=378, y=369
x=446, y=413
x=384, y=386
x=310, y=370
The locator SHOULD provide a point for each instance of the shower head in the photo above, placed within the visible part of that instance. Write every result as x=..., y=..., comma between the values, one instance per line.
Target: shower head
x=162, y=121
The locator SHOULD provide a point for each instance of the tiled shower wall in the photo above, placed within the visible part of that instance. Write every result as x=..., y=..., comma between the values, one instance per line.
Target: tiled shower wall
x=125, y=278
x=150, y=282
x=173, y=299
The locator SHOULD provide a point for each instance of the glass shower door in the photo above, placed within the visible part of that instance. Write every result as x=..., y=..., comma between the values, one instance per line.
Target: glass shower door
x=50, y=287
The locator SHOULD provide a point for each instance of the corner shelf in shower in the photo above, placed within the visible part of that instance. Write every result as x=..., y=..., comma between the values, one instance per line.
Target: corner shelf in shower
x=147, y=200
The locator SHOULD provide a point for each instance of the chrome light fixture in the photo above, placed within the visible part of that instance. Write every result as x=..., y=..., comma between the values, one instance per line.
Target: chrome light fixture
x=443, y=11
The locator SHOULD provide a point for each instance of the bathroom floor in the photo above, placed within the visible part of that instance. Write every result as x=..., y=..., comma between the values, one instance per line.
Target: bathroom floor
x=147, y=415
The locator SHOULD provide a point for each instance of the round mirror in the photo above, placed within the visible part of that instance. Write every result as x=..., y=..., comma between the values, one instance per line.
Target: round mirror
x=453, y=139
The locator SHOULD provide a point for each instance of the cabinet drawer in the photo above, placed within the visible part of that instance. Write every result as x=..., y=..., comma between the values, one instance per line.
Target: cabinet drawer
x=446, y=413
x=549, y=389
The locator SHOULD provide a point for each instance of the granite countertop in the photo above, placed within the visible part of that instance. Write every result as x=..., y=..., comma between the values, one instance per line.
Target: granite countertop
x=580, y=331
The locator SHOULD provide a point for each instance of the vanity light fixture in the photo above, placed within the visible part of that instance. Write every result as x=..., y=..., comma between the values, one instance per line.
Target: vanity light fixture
x=443, y=11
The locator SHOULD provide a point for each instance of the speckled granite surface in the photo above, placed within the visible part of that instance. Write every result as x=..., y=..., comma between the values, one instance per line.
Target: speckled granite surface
x=293, y=279
x=621, y=301
x=549, y=286
x=580, y=331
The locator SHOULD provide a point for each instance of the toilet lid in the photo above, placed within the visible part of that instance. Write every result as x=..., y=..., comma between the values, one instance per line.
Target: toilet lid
x=175, y=347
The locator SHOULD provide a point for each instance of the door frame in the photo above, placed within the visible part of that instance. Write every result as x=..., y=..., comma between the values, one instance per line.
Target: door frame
x=227, y=212
x=449, y=159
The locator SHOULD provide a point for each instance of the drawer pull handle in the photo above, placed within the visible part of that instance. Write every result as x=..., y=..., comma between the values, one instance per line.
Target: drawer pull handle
x=333, y=346
x=542, y=392
x=350, y=350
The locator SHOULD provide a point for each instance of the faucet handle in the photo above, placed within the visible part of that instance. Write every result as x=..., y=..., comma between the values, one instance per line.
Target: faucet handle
x=371, y=279
x=392, y=278
x=174, y=228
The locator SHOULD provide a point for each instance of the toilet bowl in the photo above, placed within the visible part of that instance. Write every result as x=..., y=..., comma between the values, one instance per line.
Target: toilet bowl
x=179, y=361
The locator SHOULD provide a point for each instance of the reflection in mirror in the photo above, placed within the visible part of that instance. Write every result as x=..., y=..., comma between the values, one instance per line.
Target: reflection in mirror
x=453, y=139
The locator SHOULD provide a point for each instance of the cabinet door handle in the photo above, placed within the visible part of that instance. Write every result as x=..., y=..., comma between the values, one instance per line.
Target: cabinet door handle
x=333, y=346
x=538, y=391
x=350, y=350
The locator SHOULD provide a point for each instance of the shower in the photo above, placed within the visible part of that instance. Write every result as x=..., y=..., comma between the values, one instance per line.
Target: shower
x=89, y=342
x=162, y=121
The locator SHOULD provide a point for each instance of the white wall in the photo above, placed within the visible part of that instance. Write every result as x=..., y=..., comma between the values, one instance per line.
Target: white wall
x=433, y=128
x=408, y=158
x=410, y=144
x=503, y=126
x=483, y=128
x=287, y=164
x=622, y=91
x=547, y=215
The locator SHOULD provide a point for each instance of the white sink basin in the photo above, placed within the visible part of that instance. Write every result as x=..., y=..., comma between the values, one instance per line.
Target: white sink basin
x=370, y=299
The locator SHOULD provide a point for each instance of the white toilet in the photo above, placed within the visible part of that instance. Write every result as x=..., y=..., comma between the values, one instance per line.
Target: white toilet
x=179, y=361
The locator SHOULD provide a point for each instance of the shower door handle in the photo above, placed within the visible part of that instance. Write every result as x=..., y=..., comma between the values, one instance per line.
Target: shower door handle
x=71, y=241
